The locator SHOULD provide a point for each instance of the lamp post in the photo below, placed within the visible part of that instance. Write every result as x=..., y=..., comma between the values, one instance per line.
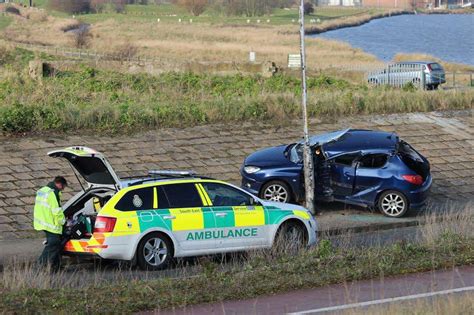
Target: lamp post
x=307, y=156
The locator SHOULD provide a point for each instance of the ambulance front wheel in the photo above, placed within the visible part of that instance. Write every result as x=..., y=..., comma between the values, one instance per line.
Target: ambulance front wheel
x=154, y=252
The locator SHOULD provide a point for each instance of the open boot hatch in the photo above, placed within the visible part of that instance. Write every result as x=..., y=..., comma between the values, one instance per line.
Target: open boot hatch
x=82, y=209
x=91, y=165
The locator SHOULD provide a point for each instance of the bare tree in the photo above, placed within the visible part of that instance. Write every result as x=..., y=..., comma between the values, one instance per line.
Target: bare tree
x=82, y=37
x=71, y=6
x=195, y=7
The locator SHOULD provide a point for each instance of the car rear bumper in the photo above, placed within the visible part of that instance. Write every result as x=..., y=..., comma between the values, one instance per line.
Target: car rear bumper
x=418, y=196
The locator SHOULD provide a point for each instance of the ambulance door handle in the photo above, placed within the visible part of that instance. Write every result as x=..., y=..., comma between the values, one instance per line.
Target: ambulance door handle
x=169, y=217
x=221, y=214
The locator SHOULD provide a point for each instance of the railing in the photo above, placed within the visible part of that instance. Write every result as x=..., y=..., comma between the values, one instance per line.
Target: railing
x=399, y=75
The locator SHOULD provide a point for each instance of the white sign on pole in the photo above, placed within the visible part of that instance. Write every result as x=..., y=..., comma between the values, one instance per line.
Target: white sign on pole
x=252, y=56
x=294, y=61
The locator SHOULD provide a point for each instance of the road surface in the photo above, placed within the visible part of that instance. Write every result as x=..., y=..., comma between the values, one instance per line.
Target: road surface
x=354, y=295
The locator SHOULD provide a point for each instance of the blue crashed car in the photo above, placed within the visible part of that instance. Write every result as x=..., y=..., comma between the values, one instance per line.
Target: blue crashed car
x=360, y=167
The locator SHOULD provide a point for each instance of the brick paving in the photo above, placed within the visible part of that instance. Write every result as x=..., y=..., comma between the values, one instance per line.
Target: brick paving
x=218, y=151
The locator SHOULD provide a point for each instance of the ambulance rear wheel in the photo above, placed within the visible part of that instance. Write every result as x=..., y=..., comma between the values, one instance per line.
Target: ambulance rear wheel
x=154, y=252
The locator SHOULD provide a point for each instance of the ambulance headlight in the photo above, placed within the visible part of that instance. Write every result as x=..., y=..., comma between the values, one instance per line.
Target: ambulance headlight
x=251, y=169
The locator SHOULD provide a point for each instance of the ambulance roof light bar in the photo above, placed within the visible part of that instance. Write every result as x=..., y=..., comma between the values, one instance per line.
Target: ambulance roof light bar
x=168, y=173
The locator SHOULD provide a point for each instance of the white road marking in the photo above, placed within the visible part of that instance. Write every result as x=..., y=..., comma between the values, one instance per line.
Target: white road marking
x=383, y=301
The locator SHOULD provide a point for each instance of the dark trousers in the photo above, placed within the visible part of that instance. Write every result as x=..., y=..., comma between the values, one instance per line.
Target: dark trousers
x=51, y=254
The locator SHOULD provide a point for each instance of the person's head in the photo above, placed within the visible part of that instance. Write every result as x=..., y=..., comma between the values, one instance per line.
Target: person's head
x=60, y=183
x=317, y=151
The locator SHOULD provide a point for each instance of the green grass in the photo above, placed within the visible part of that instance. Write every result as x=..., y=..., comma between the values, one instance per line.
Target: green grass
x=171, y=13
x=5, y=20
x=260, y=274
x=111, y=102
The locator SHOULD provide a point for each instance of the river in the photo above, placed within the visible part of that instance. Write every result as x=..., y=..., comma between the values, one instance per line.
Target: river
x=449, y=37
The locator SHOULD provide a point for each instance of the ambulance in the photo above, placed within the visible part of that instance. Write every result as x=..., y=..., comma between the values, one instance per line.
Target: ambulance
x=152, y=219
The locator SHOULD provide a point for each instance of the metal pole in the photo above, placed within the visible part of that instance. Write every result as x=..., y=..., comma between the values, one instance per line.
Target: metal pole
x=307, y=156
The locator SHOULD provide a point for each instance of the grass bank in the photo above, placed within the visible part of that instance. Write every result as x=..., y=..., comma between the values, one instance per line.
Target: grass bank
x=208, y=38
x=355, y=20
x=440, y=245
x=104, y=101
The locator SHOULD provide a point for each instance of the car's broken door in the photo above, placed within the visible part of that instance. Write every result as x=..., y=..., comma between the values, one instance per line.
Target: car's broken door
x=343, y=171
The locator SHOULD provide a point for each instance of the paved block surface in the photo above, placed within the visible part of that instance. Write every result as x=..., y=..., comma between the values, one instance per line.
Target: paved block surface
x=446, y=139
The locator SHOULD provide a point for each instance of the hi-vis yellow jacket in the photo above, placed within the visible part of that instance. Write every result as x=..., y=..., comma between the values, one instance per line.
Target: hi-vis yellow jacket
x=48, y=214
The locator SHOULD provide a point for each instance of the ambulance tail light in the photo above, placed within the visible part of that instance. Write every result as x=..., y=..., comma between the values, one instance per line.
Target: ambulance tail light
x=104, y=224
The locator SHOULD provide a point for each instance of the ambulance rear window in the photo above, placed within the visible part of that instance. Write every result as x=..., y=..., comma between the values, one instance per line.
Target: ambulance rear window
x=137, y=199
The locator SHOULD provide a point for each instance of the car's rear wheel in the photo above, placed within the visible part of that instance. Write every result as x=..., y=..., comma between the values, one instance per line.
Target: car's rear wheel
x=276, y=191
x=393, y=204
x=154, y=252
x=290, y=237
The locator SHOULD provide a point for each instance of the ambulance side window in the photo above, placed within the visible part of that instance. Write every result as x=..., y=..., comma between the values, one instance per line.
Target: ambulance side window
x=226, y=196
x=182, y=195
x=137, y=199
x=163, y=202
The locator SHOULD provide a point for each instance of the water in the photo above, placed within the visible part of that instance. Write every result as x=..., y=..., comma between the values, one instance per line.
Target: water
x=447, y=37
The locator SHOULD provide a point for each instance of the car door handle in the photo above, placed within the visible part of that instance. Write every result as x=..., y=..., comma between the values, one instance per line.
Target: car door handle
x=221, y=214
x=169, y=217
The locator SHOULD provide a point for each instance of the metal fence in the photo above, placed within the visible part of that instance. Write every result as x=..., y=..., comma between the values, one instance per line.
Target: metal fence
x=419, y=76
x=399, y=75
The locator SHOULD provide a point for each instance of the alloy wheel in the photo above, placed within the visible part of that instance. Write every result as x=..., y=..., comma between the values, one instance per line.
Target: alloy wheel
x=276, y=192
x=393, y=204
x=155, y=251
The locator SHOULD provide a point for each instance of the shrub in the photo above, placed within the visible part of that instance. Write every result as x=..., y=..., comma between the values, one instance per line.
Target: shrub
x=308, y=8
x=81, y=37
x=195, y=7
x=12, y=10
x=17, y=118
x=126, y=52
x=71, y=6
x=99, y=6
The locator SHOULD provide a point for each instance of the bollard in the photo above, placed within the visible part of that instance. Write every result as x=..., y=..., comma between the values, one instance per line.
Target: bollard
x=158, y=20
x=179, y=20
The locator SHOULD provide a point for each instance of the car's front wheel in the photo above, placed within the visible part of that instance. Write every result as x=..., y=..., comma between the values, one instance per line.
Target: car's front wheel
x=393, y=204
x=276, y=191
x=154, y=252
x=290, y=237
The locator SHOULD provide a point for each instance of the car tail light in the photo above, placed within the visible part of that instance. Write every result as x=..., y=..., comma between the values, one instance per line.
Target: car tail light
x=429, y=67
x=104, y=224
x=413, y=179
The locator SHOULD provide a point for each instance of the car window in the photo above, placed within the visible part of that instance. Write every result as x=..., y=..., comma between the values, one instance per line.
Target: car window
x=137, y=199
x=224, y=195
x=181, y=195
x=345, y=159
x=162, y=200
x=373, y=160
x=435, y=66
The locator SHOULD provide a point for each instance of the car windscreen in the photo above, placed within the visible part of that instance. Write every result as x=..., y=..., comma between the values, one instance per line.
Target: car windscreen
x=296, y=153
